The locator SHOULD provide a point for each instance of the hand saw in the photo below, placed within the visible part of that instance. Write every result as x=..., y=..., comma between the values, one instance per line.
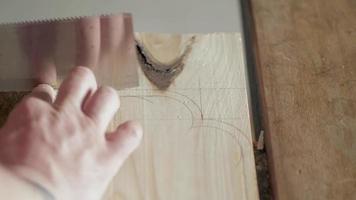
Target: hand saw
x=45, y=51
x=41, y=40
x=163, y=16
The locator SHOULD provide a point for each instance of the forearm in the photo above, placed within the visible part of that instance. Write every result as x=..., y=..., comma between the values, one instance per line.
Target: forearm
x=12, y=187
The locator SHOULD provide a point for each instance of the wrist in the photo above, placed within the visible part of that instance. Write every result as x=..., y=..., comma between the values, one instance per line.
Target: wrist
x=36, y=181
x=59, y=189
x=45, y=194
x=14, y=187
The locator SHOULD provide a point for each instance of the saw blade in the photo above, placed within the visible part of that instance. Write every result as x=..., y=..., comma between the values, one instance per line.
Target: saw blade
x=158, y=16
x=44, y=51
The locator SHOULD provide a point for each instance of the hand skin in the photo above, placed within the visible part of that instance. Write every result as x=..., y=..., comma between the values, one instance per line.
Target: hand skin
x=61, y=144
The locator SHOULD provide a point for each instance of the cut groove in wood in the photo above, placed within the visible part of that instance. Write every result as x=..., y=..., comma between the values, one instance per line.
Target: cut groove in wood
x=162, y=57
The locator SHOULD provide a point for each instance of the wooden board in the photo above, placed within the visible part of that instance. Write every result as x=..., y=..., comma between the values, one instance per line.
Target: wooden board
x=197, y=133
x=307, y=56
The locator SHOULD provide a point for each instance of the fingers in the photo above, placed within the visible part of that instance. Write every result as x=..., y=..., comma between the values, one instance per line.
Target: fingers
x=116, y=30
x=79, y=85
x=42, y=58
x=102, y=106
x=44, y=92
x=88, y=38
x=124, y=140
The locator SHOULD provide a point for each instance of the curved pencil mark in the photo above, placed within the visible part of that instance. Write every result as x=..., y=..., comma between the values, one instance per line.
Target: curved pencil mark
x=238, y=142
x=190, y=104
x=180, y=95
x=197, y=112
x=177, y=100
x=192, y=101
x=238, y=130
x=138, y=97
x=239, y=138
x=235, y=139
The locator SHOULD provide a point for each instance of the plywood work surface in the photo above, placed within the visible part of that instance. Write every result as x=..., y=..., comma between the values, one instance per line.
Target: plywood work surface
x=197, y=133
x=307, y=57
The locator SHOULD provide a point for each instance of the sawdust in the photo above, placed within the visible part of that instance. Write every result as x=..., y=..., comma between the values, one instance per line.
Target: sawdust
x=263, y=176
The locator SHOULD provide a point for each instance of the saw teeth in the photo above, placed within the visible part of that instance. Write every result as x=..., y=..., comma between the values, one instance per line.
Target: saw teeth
x=59, y=19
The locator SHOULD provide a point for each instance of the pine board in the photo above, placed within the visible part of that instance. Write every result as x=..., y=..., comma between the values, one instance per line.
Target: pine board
x=197, y=134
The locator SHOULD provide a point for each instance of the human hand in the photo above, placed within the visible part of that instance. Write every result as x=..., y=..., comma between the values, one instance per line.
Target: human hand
x=60, y=143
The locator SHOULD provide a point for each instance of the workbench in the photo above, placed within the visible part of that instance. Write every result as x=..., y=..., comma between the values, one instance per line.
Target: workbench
x=305, y=52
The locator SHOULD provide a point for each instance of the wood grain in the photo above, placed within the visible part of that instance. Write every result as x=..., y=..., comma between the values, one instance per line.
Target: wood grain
x=197, y=133
x=307, y=63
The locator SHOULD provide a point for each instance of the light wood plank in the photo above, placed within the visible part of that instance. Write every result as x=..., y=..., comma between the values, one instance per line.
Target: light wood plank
x=197, y=133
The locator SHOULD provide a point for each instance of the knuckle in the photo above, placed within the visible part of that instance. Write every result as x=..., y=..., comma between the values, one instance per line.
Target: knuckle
x=28, y=105
x=108, y=90
x=109, y=96
x=110, y=93
x=132, y=127
x=83, y=72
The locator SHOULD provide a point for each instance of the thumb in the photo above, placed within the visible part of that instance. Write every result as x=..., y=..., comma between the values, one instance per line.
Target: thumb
x=124, y=140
